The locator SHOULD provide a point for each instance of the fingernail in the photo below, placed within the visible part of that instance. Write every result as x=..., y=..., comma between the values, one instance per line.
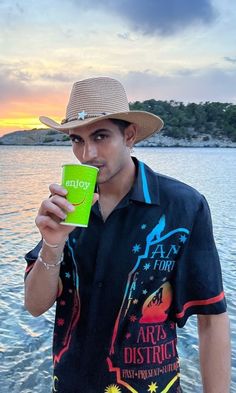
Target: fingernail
x=71, y=208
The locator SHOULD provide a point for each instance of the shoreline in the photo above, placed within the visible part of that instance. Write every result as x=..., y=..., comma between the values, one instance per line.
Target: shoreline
x=49, y=137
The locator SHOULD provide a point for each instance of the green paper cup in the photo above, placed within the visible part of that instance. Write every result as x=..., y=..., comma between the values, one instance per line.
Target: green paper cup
x=79, y=180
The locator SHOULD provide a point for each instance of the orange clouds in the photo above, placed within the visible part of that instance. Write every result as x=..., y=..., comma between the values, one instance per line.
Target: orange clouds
x=23, y=113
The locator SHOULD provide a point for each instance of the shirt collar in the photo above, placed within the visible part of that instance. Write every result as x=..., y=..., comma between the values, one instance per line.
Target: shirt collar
x=146, y=185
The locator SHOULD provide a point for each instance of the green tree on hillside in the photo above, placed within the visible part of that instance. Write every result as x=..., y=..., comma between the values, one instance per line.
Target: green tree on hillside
x=187, y=121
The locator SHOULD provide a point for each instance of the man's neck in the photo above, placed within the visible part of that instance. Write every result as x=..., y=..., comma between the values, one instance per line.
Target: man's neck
x=111, y=193
x=120, y=184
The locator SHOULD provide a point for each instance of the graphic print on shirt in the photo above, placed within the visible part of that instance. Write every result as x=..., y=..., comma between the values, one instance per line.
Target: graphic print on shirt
x=157, y=304
x=147, y=360
x=66, y=326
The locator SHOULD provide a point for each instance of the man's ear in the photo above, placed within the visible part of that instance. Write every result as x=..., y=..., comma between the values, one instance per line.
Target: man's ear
x=130, y=133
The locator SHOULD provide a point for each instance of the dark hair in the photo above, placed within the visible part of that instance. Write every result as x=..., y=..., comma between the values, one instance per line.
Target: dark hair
x=122, y=124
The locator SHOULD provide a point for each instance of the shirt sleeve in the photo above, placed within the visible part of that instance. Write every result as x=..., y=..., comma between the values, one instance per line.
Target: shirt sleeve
x=198, y=287
x=31, y=258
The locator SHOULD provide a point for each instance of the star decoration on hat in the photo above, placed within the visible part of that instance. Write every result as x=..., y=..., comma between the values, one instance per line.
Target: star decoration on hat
x=82, y=115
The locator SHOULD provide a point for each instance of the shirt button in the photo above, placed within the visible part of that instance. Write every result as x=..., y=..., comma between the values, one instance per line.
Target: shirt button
x=100, y=284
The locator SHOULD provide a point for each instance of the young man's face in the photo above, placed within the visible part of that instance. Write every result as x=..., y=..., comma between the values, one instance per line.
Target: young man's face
x=103, y=145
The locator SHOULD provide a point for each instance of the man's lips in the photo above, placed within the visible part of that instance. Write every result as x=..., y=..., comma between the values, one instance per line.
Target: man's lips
x=99, y=166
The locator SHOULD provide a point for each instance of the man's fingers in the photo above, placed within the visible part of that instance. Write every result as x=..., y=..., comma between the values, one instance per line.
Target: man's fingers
x=48, y=208
x=57, y=189
x=56, y=205
x=95, y=198
x=62, y=203
x=46, y=222
x=54, y=209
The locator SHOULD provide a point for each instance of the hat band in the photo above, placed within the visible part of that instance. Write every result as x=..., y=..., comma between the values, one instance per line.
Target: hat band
x=84, y=115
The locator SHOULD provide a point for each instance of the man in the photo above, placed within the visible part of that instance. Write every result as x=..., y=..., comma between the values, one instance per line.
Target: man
x=146, y=262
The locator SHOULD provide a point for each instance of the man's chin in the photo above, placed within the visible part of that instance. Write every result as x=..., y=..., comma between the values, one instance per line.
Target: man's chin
x=101, y=180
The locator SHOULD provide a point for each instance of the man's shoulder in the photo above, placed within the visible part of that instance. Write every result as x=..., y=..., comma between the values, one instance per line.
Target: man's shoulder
x=172, y=189
x=168, y=191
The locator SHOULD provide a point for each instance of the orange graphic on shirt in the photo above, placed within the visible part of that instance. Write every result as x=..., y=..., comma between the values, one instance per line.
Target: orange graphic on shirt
x=157, y=304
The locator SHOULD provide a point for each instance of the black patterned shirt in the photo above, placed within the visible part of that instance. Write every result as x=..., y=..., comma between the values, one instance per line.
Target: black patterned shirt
x=127, y=283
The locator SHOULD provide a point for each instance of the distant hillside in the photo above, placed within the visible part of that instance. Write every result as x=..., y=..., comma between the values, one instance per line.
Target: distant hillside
x=191, y=120
x=54, y=138
x=35, y=137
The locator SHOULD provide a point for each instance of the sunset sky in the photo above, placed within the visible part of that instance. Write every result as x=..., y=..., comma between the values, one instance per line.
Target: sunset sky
x=164, y=49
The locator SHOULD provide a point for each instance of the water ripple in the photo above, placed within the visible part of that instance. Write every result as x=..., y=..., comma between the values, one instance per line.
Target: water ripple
x=25, y=342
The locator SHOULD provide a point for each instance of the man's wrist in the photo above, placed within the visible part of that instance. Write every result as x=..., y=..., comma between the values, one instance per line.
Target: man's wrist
x=51, y=255
x=50, y=265
x=54, y=245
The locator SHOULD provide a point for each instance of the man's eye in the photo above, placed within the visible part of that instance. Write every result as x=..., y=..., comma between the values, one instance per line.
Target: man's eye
x=74, y=139
x=100, y=137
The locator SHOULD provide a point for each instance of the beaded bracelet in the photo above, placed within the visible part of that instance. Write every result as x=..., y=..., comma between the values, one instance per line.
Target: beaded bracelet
x=49, y=265
x=50, y=245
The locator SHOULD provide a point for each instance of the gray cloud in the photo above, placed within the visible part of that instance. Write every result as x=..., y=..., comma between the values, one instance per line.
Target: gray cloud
x=10, y=13
x=124, y=36
x=10, y=88
x=230, y=59
x=14, y=72
x=17, y=84
x=201, y=85
x=164, y=17
x=19, y=8
x=58, y=77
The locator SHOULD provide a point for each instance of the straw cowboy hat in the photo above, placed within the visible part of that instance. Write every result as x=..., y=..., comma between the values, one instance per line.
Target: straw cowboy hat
x=102, y=98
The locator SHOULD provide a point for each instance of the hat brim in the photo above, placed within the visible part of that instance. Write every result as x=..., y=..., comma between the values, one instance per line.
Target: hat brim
x=148, y=123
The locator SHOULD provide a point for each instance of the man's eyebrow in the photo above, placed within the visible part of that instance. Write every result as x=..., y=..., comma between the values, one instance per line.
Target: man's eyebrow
x=99, y=130
x=92, y=134
x=71, y=136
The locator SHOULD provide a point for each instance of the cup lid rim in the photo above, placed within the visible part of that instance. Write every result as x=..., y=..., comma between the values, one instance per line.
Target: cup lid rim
x=83, y=165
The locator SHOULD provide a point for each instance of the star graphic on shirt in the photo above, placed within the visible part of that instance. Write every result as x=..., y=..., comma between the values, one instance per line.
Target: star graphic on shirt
x=144, y=226
x=144, y=291
x=151, y=278
x=146, y=266
x=172, y=325
x=67, y=275
x=152, y=387
x=133, y=318
x=74, y=240
x=136, y=248
x=135, y=301
x=60, y=321
x=62, y=303
x=183, y=239
x=128, y=335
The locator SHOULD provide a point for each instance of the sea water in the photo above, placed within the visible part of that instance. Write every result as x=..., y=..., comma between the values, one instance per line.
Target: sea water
x=25, y=173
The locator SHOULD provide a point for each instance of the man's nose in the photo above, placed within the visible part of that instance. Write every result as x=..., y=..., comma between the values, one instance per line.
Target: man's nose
x=89, y=153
